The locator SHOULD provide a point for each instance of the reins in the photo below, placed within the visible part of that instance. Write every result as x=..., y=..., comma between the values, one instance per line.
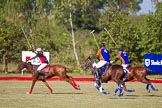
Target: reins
x=91, y=65
x=30, y=67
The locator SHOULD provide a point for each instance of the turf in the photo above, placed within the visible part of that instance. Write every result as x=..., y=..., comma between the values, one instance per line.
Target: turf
x=13, y=95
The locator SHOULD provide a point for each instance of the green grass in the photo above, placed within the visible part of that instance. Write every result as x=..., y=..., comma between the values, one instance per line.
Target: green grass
x=13, y=95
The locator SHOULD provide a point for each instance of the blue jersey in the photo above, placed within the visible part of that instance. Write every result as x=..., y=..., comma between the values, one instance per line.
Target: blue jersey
x=104, y=54
x=124, y=57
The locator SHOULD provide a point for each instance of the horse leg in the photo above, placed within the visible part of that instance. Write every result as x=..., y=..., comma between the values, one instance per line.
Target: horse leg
x=120, y=90
x=148, y=82
x=116, y=90
x=124, y=87
x=35, y=77
x=147, y=88
x=120, y=85
x=48, y=86
x=96, y=85
x=127, y=90
x=70, y=80
x=152, y=86
x=99, y=87
x=32, y=86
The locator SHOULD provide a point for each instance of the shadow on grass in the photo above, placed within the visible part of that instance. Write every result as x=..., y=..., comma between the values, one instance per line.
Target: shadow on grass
x=135, y=96
x=67, y=93
x=56, y=93
x=153, y=95
x=124, y=97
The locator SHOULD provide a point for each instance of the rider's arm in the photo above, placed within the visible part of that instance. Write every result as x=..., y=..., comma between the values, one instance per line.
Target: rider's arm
x=34, y=56
x=115, y=60
x=98, y=54
x=98, y=58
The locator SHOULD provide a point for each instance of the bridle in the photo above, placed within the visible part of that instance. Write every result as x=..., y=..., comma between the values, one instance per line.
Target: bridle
x=89, y=63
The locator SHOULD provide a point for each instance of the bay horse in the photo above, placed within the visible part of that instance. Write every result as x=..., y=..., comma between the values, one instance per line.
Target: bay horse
x=113, y=72
x=139, y=73
x=53, y=70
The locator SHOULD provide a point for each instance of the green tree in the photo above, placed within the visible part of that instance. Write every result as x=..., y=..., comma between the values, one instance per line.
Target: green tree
x=128, y=5
x=152, y=32
x=18, y=21
x=124, y=32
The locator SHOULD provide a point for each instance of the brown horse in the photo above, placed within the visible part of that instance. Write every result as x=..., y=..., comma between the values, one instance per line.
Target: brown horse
x=138, y=73
x=53, y=70
x=113, y=72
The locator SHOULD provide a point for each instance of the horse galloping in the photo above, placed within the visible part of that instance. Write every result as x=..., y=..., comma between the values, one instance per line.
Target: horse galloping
x=53, y=70
x=113, y=72
x=139, y=73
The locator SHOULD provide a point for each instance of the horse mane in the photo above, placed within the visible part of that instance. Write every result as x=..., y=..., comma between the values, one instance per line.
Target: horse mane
x=30, y=66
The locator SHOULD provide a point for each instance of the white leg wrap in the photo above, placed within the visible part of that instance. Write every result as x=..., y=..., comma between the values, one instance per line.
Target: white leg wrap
x=95, y=84
x=100, y=89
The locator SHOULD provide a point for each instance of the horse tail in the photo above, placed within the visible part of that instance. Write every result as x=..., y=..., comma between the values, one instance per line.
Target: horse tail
x=68, y=70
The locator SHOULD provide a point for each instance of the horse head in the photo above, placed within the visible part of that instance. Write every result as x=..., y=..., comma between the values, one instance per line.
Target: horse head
x=88, y=63
x=23, y=65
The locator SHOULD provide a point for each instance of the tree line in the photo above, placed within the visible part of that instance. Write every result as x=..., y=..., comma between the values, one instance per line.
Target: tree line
x=63, y=28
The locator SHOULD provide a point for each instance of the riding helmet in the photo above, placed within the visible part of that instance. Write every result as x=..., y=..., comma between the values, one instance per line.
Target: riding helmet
x=102, y=45
x=39, y=49
x=120, y=49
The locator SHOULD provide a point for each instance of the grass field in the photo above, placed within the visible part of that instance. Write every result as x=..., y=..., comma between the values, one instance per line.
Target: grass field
x=13, y=95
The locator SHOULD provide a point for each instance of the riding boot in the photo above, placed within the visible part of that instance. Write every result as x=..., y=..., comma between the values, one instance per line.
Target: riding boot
x=99, y=75
x=96, y=74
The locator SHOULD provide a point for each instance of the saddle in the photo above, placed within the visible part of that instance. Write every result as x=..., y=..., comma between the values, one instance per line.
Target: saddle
x=104, y=68
x=101, y=71
x=46, y=69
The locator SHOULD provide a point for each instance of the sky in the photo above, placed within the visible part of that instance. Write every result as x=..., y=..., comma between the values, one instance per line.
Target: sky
x=146, y=7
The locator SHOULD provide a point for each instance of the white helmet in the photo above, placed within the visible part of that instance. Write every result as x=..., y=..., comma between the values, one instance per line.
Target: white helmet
x=39, y=49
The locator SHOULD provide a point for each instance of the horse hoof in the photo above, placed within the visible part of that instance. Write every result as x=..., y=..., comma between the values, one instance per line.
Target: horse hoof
x=130, y=91
x=28, y=93
x=78, y=87
x=114, y=94
x=104, y=92
x=121, y=94
x=148, y=91
x=51, y=91
x=156, y=89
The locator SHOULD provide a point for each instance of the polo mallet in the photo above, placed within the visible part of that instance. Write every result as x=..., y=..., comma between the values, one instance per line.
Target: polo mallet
x=92, y=32
x=111, y=37
x=31, y=46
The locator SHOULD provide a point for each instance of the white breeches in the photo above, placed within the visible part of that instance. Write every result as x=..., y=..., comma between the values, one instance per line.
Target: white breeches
x=99, y=64
x=125, y=67
x=43, y=65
